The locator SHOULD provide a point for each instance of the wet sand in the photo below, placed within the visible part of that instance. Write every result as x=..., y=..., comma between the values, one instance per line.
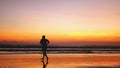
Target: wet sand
x=60, y=61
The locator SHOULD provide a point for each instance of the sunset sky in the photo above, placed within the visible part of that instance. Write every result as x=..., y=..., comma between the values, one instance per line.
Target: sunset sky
x=60, y=20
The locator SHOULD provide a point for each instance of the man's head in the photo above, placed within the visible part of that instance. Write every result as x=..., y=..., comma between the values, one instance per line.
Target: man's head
x=43, y=37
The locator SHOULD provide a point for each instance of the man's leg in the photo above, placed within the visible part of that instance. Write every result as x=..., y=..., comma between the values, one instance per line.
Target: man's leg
x=43, y=56
x=46, y=53
x=42, y=53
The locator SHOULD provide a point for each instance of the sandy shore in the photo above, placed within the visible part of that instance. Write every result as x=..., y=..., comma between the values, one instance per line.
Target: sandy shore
x=59, y=60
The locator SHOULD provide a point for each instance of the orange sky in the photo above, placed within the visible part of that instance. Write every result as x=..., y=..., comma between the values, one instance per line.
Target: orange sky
x=60, y=21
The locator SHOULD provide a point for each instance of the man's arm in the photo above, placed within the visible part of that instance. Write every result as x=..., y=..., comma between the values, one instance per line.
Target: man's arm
x=48, y=41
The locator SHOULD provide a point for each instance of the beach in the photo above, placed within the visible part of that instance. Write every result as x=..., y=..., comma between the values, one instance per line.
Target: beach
x=60, y=61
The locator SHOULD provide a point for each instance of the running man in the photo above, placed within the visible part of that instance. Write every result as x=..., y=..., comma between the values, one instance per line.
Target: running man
x=44, y=42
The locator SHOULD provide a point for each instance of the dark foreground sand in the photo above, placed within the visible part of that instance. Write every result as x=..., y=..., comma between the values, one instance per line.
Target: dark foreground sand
x=60, y=61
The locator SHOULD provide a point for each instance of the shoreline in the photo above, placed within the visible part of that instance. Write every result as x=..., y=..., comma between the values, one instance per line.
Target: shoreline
x=83, y=54
x=65, y=60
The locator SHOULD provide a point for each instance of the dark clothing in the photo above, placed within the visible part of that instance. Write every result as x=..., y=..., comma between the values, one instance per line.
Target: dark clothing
x=44, y=42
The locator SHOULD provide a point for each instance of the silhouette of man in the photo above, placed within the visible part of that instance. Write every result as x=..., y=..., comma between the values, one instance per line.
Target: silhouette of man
x=44, y=42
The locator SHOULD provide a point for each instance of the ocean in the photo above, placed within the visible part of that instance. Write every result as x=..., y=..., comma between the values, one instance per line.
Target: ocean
x=61, y=49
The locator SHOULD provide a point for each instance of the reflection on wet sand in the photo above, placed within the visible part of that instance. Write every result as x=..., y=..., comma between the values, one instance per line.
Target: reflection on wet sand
x=45, y=63
x=60, y=61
